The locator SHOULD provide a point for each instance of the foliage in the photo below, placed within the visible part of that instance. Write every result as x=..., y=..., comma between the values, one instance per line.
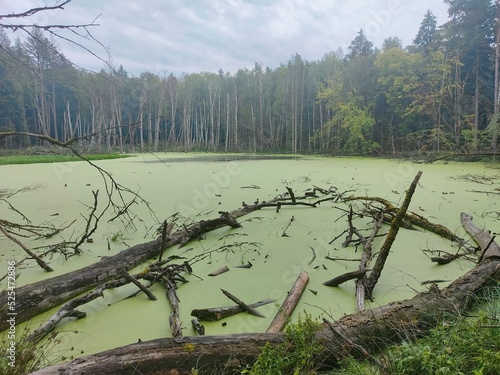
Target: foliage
x=28, y=355
x=360, y=46
x=294, y=356
x=369, y=99
x=467, y=345
x=425, y=41
x=35, y=159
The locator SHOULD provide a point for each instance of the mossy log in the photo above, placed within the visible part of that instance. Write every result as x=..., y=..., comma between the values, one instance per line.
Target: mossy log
x=39, y=297
x=371, y=330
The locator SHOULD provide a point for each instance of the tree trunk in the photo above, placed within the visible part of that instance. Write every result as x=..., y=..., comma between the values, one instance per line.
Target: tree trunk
x=476, y=105
x=370, y=330
x=283, y=315
x=36, y=298
x=496, y=101
x=39, y=297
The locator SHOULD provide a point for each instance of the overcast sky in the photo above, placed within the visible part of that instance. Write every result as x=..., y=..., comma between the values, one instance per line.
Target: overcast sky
x=191, y=36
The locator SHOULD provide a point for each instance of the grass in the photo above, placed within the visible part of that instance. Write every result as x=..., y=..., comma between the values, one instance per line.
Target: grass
x=295, y=355
x=28, y=356
x=464, y=345
x=458, y=346
x=33, y=159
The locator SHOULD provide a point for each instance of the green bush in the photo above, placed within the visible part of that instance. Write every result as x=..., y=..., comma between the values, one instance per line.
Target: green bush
x=467, y=345
x=294, y=356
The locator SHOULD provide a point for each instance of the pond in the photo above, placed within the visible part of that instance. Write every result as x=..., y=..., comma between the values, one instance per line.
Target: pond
x=278, y=245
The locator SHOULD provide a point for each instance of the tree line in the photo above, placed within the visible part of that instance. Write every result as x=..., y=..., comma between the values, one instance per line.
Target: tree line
x=440, y=93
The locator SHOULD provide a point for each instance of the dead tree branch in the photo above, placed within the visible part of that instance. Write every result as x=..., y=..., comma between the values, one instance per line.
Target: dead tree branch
x=365, y=260
x=39, y=260
x=371, y=330
x=391, y=236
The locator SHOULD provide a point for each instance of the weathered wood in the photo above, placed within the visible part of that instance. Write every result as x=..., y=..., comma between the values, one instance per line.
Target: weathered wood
x=482, y=237
x=445, y=259
x=291, y=301
x=336, y=281
x=247, y=265
x=198, y=327
x=217, y=313
x=39, y=260
x=350, y=232
x=138, y=284
x=390, y=238
x=372, y=329
x=68, y=309
x=412, y=219
x=173, y=319
x=242, y=304
x=219, y=271
x=39, y=297
x=209, y=354
x=365, y=260
x=336, y=331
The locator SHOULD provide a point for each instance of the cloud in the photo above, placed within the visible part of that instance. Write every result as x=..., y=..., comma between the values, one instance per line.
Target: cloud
x=208, y=35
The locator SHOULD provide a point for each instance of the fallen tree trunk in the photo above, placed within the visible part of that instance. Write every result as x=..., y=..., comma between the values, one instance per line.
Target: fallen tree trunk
x=39, y=297
x=489, y=248
x=370, y=330
x=283, y=315
x=371, y=280
x=217, y=313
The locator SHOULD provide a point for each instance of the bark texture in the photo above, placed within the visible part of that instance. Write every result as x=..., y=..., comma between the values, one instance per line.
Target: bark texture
x=370, y=329
x=39, y=297
x=364, y=331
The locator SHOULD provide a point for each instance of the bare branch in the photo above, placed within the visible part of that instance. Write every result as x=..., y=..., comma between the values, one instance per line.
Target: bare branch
x=33, y=11
x=39, y=260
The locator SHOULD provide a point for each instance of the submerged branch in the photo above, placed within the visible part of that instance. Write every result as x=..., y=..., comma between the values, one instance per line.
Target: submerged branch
x=39, y=260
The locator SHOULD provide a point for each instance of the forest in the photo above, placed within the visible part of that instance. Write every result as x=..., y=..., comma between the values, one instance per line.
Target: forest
x=438, y=94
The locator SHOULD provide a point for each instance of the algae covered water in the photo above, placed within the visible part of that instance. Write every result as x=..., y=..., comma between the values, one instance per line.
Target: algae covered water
x=278, y=245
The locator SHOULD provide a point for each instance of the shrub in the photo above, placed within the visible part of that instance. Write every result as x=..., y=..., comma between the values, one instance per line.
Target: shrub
x=294, y=356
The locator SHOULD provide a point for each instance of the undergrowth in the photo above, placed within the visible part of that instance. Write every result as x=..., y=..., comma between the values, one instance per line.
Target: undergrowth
x=466, y=345
x=25, y=356
x=462, y=345
x=294, y=356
